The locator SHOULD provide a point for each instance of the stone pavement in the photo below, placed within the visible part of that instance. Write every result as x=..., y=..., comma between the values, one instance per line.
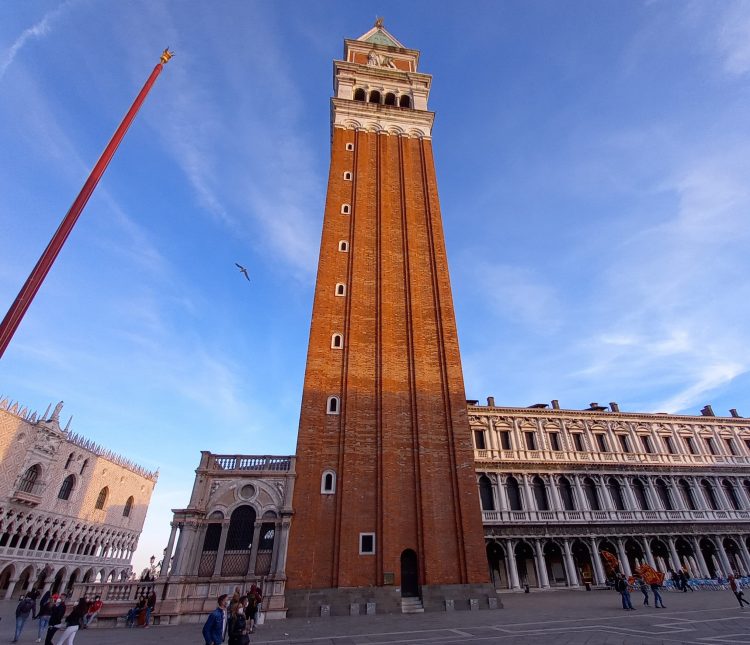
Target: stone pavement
x=558, y=617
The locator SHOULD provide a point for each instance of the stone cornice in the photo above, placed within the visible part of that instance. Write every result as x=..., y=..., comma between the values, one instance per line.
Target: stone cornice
x=653, y=417
x=611, y=531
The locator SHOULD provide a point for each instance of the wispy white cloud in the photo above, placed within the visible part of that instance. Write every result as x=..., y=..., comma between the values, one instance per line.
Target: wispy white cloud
x=733, y=37
x=35, y=32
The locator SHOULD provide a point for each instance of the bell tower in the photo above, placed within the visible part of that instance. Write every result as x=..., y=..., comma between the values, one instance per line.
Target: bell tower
x=385, y=502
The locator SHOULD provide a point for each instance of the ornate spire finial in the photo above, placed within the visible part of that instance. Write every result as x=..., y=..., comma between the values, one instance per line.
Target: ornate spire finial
x=56, y=412
x=165, y=56
x=379, y=22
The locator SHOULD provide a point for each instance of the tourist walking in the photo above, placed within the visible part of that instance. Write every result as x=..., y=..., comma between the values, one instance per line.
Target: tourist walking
x=255, y=599
x=55, y=618
x=23, y=611
x=73, y=622
x=658, y=602
x=737, y=590
x=685, y=581
x=45, y=611
x=216, y=624
x=237, y=625
x=33, y=594
x=644, y=590
x=676, y=580
x=621, y=585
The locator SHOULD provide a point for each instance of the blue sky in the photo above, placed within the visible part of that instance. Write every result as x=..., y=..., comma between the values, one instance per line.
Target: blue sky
x=592, y=160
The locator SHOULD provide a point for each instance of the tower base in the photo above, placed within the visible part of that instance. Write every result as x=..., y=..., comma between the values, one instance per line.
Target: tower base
x=387, y=600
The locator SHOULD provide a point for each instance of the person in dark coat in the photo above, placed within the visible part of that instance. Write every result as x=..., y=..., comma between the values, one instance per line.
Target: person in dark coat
x=55, y=618
x=23, y=611
x=216, y=624
x=237, y=625
x=45, y=611
x=73, y=622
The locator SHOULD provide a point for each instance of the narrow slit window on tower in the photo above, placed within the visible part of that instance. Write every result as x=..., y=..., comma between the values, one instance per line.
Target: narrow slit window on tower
x=340, y=289
x=337, y=341
x=343, y=246
x=332, y=407
x=366, y=543
x=328, y=483
x=347, y=176
x=345, y=209
x=404, y=101
x=359, y=94
x=350, y=146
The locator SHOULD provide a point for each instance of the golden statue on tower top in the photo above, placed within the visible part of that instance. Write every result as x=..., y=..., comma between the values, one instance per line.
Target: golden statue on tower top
x=165, y=56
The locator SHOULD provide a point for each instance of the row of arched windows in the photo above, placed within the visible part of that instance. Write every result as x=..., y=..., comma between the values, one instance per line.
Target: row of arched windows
x=28, y=484
x=387, y=98
x=593, y=494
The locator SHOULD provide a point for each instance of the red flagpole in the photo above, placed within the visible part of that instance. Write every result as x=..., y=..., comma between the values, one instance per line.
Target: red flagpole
x=31, y=286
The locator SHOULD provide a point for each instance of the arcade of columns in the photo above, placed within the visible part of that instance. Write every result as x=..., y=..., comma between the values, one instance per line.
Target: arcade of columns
x=558, y=486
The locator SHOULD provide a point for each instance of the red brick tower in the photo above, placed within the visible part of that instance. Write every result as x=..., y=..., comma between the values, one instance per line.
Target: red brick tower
x=385, y=501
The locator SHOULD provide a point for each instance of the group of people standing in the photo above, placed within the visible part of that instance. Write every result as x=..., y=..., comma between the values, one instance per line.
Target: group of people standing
x=622, y=584
x=234, y=618
x=141, y=613
x=51, y=616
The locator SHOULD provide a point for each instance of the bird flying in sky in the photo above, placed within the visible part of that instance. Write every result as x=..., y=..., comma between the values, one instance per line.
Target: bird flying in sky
x=243, y=270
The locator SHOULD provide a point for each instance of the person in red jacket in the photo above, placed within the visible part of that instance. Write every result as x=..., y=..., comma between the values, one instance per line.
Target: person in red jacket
x=94, y=608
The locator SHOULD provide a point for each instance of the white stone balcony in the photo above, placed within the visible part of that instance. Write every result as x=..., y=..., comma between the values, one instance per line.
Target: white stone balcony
x=567, y=456
x=49, y=557
x=586, y=517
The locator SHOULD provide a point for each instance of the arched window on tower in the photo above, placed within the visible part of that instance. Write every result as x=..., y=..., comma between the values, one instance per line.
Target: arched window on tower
x=67, y=487
x=345, y=209
x=340, y=289
x=404, y=101
x=328, y=482
x=347, y=176
x=359, y=94
x=337, y=341
x=332, y=406
x=374, y=96
x=390, y=99
x=102, y=499
x=128, y=507
x=84, y=465
x=485, y=493
x=343, y=246
x=68, y=462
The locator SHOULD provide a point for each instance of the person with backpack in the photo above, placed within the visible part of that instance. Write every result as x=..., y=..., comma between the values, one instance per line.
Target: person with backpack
x=621, y=585
x=23, y=611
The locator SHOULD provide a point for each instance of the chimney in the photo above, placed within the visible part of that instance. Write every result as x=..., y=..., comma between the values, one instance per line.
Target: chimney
x=614, y=407
x=734, y=413
x=707, y=411
x=491, y=401
x=555, y=404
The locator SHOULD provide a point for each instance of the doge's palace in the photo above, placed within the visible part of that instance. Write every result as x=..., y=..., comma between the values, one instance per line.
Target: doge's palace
x=70, y=511
x=559, y=487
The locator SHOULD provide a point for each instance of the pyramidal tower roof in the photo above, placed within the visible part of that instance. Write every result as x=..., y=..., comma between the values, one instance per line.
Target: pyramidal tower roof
x=379, y=35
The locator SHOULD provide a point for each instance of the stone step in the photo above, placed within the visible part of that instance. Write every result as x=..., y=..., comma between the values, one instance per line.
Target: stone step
x=412, y=606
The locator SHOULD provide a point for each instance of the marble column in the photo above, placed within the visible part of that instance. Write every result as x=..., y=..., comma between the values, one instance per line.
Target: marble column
x=647, y=552
x=555, y=501
x=624, y=564
x=676, y=564
x=596, y=561
x=542, y=577
x=510, y=563
x=723, y=557
x=530, y=502
x=168, y=551
x=499, y=492
x=570, y=565
x=222, y=547
x=583, y=502
x=745, y=554
x=254, y=548
x=699, y=557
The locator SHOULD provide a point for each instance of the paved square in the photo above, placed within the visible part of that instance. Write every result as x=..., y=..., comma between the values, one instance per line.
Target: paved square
x=560, y=617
